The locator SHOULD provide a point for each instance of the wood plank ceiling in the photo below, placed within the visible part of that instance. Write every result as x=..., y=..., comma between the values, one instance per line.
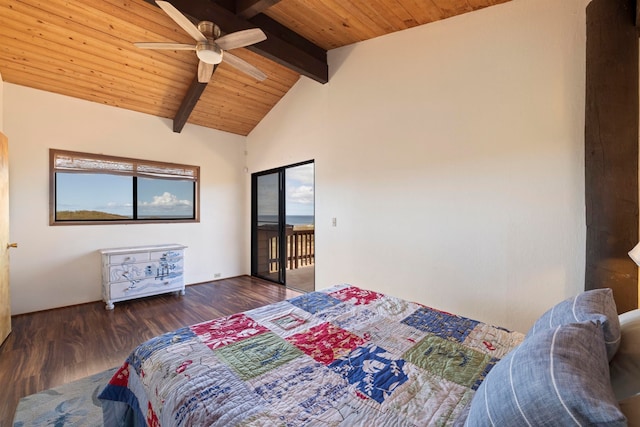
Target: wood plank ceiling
x=83, y=49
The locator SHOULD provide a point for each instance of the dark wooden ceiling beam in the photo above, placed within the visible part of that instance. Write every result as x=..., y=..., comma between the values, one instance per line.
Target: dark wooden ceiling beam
x=188, y=104
x=284, y=51
x=249, y=8
x=274, y=28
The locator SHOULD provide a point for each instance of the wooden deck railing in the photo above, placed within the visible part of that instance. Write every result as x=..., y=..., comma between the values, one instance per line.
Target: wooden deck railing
x=300, y=246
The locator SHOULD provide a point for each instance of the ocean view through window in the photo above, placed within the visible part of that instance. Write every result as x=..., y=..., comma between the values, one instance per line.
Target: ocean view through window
x=96, y=189
x=289, y=219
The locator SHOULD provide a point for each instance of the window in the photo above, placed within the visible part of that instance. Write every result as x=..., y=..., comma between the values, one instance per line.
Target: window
x=92, y=188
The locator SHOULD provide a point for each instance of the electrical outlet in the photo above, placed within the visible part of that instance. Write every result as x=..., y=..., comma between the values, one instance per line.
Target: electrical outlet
x=217, y=275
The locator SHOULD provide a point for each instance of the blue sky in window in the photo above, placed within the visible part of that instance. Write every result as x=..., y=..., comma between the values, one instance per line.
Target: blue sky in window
x=113, y=194
x=299, y=192
x=299, y=185
x=94, y=192
x=163, y=197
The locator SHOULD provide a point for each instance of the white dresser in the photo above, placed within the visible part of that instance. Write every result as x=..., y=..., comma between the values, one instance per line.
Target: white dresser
x=140, y=271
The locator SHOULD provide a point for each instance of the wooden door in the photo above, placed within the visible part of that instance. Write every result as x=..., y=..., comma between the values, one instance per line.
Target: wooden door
x=5, y=301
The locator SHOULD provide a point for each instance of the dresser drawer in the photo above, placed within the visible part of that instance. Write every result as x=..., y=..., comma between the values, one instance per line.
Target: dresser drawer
x=128, y=258
x=171, y=254
x=151, y=286
x=146, y=270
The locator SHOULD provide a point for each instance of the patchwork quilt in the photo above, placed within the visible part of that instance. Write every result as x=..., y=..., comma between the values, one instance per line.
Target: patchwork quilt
x=342, y=356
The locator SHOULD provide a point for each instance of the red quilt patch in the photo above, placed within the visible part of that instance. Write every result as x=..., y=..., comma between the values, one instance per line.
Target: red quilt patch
x=152, y=418
x=121, y=378
x=226, y=330
x=356, y=295
x=326, y=342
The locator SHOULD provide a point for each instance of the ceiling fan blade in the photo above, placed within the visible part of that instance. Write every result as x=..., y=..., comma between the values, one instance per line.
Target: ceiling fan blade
x=241, y=39
x=182, y=20
x=170, y=46
x=243, y=66
x=205, y=71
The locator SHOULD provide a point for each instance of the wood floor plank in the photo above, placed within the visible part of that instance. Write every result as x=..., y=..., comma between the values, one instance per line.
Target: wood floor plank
x=50, y=348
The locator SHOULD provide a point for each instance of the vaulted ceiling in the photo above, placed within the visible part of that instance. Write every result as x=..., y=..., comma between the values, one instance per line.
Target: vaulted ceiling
x=84, y=49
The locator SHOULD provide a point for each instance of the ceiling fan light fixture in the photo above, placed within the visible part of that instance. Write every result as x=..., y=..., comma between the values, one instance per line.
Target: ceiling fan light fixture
x=209, y=53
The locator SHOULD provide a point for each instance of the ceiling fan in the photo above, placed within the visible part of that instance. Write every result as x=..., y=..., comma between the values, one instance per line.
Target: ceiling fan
x=210, y=47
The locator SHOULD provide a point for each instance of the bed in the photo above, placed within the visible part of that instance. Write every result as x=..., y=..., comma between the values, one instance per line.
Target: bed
x=343, y=356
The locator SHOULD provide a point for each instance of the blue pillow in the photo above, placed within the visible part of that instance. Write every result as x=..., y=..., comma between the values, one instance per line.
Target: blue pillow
x=558, y=377
x=596, y=305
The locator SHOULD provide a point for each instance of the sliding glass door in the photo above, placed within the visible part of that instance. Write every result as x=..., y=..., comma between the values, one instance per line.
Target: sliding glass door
x=283, y=226
x=267, y=224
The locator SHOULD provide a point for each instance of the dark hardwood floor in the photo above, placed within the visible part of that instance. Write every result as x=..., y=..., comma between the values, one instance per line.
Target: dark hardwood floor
x=53, y=347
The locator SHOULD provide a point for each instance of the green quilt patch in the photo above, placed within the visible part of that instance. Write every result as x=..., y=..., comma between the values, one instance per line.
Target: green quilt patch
x=448, y=359
x=257, y=355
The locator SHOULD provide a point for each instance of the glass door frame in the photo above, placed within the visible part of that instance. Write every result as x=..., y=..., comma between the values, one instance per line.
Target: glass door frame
x=282, y=220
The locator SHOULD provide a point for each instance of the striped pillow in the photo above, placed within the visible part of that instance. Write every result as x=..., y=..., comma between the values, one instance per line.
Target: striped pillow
x=558, y=376
x=596, y=305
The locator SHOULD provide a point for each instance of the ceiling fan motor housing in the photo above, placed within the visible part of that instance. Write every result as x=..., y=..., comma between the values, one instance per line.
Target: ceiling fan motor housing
x=209, y=29
x=209, y=51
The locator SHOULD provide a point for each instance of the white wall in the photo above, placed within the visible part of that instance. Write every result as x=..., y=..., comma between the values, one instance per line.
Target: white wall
x=59, y=265
x=452, y=157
